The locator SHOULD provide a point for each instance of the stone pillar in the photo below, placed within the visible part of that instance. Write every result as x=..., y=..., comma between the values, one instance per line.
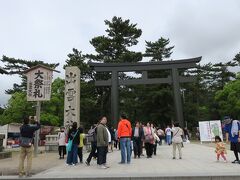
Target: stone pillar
x=177, y=97
x=72, y=96
x=114, y=99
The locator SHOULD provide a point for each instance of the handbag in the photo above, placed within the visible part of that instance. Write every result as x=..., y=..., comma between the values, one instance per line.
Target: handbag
x=25, y=141
x=149, y=138
x=70, y=143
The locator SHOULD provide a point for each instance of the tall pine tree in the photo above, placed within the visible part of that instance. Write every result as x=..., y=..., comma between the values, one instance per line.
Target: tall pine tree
x=114, y=47
x=158, y=50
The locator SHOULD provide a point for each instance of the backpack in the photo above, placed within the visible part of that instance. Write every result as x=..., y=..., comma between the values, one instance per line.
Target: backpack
x=92, y=135
x=25, y=141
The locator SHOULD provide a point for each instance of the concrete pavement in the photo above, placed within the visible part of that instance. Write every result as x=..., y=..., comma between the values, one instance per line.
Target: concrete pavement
x=198, y=161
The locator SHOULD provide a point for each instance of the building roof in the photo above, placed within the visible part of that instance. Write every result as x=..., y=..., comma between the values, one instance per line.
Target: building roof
x=39, y=66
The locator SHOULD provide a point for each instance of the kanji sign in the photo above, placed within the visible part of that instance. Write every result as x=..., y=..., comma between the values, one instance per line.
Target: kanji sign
x=39, y=80
x=72, y=96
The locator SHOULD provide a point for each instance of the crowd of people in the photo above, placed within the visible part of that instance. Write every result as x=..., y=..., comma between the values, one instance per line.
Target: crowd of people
x=126, y=138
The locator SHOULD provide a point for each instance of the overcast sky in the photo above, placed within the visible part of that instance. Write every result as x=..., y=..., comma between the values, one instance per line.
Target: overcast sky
x=48, y=29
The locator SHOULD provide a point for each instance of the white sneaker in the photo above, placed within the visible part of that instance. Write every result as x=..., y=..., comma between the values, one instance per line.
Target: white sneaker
x=225, y=161
x=106, y=166
x=102, y=167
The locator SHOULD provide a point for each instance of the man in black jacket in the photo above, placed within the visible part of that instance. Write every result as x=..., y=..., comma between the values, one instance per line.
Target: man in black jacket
x=26, y=139
x=137, y=136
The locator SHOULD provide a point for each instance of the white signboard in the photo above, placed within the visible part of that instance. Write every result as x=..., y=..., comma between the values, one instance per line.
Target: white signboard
x=72, y=96
x=216, y=129
x=205, y=131
x=210, y=129
x=39, y=82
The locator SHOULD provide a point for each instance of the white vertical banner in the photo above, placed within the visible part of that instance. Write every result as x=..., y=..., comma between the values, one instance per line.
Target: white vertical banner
x=72, y=96
x=39, y=81
x=205, y=131
x=216, y=129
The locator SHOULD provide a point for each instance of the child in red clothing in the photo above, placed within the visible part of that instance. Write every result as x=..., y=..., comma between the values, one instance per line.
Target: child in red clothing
x=220, y=149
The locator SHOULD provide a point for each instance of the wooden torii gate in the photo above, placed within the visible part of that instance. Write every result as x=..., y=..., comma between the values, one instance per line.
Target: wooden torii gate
x=174, y=78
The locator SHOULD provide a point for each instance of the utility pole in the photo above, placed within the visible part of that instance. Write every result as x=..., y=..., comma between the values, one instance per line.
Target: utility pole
x=36, y=139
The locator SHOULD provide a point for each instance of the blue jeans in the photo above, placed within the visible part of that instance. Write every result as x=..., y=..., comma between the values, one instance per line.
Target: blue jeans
x=72, y=156
x=168, y=139
x=125, y=145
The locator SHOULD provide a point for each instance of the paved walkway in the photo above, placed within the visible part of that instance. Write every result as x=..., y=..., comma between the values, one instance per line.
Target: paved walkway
x=198, y=160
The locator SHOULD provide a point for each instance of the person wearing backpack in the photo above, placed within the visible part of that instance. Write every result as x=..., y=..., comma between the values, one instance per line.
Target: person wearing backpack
x=102, y=143
x=72, y=147
x=92, y=135
x=26, y=142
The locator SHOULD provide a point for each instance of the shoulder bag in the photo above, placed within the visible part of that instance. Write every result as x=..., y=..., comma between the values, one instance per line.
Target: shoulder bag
x=70, y=142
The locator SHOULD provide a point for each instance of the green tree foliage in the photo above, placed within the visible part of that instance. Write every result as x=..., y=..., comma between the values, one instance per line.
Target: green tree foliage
x=76, y=58
x=1, y=110
x=2, y=71
x=200, y=96
x=17, y=109
x=228, y=99
x=158, y=50
x=237, y=58
x=222, y=74
x=53, y=110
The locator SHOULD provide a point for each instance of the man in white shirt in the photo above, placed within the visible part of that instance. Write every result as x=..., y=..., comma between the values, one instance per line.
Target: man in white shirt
x=168, y=133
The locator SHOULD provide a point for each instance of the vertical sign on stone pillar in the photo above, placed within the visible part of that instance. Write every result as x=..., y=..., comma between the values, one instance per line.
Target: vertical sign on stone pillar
x=72, y=96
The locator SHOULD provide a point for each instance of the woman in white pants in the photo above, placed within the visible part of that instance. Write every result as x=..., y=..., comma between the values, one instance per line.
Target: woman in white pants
x=177, y=140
